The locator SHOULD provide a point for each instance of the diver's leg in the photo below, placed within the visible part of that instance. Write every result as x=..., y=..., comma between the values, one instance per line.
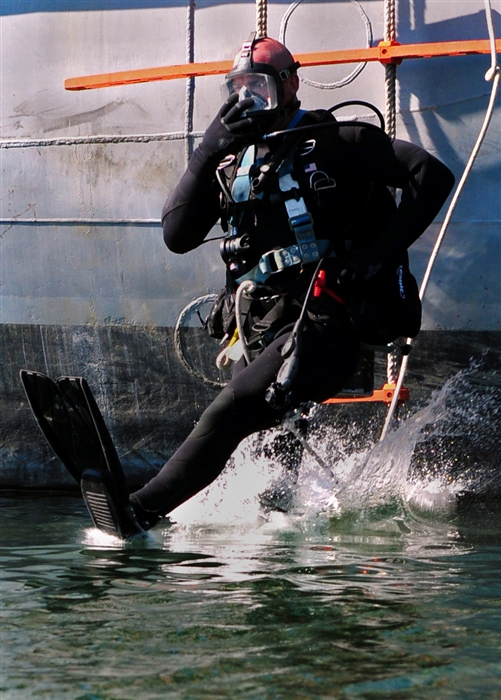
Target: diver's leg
x=238, y=411
x=328, y=360
x=329, y=357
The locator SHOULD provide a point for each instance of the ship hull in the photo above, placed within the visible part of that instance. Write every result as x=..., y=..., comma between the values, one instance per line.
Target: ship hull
x=87, y=285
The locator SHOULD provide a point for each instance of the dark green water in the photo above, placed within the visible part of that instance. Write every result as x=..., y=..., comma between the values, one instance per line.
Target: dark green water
x=374, y=605
x=374, y=586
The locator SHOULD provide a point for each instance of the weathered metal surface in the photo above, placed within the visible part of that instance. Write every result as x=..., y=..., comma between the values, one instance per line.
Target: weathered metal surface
x=69, y=274
x=86, y=284
x=150, y=402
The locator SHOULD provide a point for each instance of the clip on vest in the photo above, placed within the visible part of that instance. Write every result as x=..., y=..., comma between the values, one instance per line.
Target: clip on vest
x=320, y=287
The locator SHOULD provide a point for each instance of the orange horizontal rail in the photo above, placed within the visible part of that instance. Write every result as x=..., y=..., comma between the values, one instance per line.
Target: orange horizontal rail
x=385, y=52
x=147, y=75
x=384, y=395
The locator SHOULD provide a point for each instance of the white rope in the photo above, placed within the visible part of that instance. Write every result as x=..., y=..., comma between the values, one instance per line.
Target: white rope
x=392, y=364
x=82, y=221
x=390, y=101
x=89, y=140
x=261, y=19
x=390, y=90
x=390, y=21
x=493, y=74
x=190, y=82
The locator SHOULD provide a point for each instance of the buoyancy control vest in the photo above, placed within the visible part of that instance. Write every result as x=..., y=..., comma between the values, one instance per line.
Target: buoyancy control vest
x=271, y=227
x=271, y=237
x=275, y=234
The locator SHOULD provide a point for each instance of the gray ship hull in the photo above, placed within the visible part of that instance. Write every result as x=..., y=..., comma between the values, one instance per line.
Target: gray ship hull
x=87, y=285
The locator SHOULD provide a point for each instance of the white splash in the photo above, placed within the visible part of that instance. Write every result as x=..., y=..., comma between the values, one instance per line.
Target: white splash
x=337, y=481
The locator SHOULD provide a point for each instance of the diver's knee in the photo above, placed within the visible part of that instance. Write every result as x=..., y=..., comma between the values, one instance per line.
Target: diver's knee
x=223, y=405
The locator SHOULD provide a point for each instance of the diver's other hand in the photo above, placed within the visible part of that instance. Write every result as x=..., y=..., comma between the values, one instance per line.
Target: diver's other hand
x=230, y=131
x=358, y=269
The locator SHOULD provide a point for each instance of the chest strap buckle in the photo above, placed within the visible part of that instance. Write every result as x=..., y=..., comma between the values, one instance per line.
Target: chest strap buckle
x=277, y=260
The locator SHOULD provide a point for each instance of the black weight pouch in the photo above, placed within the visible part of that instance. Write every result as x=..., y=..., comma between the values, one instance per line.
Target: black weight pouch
x=389, y=309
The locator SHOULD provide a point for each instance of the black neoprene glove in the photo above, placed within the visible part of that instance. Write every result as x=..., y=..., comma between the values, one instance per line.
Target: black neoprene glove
x=357, y=270
x=229, y=132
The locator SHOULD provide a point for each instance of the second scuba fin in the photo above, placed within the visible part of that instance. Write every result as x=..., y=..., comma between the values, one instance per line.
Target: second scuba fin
x=74, y=427
x=66, y=427
x=279, y=497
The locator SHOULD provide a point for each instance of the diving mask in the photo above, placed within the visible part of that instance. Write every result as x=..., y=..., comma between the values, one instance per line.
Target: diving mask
x=261, y=87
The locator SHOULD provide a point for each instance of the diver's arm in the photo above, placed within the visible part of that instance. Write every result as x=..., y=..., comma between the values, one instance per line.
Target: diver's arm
x=191, y=210
x=425, y=187
x=424, y=181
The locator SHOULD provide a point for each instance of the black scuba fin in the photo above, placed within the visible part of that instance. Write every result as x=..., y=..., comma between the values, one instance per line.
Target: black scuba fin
x=108, y=510
x=67, y=429
x=72, y=424
x=77, y=392
x=279, y=497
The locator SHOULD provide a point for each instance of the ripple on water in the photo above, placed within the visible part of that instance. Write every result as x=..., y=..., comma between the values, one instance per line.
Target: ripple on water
x=363, y=591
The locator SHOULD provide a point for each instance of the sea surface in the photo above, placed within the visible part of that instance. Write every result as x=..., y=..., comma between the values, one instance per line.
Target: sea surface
x=374, y=585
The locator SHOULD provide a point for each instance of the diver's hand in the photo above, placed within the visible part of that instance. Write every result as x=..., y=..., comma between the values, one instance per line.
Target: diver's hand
x=230, y=131
x=357, y=270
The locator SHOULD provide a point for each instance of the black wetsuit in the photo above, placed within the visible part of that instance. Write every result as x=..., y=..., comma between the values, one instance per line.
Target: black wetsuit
x=360, y=216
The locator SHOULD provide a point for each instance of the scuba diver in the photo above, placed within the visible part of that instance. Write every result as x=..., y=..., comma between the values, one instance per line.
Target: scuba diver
x=316, y=258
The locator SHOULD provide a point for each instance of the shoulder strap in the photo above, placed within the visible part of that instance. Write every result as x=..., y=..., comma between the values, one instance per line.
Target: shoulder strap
x=296, y=118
